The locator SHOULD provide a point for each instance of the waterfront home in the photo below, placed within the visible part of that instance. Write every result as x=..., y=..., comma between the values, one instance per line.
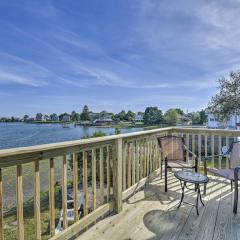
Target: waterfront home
x=39, y=117
x=94, y=116
x=138, y=118
x=213, y=122
x=66, y=118
x=46, y=118
x=103, y=121
x=54, y=117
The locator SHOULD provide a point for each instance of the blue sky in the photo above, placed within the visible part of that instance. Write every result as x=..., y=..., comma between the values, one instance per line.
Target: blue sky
x=56, y=56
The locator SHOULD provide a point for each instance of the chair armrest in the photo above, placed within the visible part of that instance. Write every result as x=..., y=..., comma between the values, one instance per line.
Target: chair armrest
x=188, y=150
x=210, y=157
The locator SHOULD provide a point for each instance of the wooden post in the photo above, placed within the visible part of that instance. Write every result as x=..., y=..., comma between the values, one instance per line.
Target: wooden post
x=51, y=198
x=64, y=192
x=137, y=161
x=193, y=143
x=94, y=196
x=187, y=144
x=206, y=145
x=85, y=183
x=1, y=208
x=133, y=157
x=227, y=158
x=212, y=150
x=220, y=151
x=75, y=185
x=117, y=176
x=108, y=173
x=129, y=166
x=20, y=203
x=101, y=168
x=124, y=166
x=37, y=201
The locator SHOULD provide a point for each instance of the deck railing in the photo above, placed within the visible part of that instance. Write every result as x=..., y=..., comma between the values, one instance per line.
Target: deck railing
x=112, y=167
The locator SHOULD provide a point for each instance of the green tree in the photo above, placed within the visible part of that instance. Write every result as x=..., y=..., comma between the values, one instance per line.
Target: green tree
x=75, y=116
x=85, y=116
x=227, y=101
x=179, y=111
x=39, y=116
x=172, y=116
x=119, y=116
x=195, y=118
x=130, y=116
x=202, y=116
x=152, y=115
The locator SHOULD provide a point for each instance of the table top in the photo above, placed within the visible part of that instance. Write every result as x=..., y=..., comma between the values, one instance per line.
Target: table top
x=191, y=177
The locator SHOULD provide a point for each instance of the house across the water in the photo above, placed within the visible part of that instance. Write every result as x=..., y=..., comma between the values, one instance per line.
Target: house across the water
x=214, y=122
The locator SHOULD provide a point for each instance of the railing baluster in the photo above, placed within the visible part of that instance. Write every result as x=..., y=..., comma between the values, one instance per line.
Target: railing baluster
x=94, y=197
x=85, y=183
x=101, y=168
x=141, y=160
x=64, y=191
x=145, y=158
x=193, y=143
x=117, y=175
x=37, y=209
x=75, y=185
x=133, y=157
x=227, y=158
x=212, y=149
x=187, y=144
x=20, y=203
x=108, y=173
x=150, y=155
x=124, y=177
x=1, y=208
x=51, y=198
x=137, y=161
x=199, y=148
x=219, y=151
x=206, y=146
x=129, y=166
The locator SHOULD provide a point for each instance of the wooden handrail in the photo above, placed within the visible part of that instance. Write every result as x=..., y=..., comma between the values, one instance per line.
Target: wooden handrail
x=122, y=161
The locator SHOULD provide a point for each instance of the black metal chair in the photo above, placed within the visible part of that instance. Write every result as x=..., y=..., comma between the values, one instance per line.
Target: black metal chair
x=173, y=152
x=231, y=173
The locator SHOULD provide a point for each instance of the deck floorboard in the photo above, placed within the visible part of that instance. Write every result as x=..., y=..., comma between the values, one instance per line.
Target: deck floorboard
x=152, y=214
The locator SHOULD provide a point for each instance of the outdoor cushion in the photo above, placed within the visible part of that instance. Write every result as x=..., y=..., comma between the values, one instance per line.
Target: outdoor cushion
x=226, y=173
x=172, y=148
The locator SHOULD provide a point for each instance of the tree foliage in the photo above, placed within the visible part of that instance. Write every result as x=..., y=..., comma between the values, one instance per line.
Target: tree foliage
x=152, y=115
x=172, y=116
x=75, y=116
x=129, y=116
x=120, y=116
x=85, y=115
x=227, y=101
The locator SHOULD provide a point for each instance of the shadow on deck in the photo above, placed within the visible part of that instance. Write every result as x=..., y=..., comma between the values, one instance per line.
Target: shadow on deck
x=153, y=214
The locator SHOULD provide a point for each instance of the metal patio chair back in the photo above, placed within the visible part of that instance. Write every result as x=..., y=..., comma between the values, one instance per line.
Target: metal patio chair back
x=173, y=154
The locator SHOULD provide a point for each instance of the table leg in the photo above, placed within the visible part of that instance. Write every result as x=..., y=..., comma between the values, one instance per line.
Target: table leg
x=201, y=196
x=198, y=196
x=182, y=186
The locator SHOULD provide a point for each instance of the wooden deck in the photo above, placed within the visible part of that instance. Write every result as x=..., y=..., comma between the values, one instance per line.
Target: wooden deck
x=152, y=214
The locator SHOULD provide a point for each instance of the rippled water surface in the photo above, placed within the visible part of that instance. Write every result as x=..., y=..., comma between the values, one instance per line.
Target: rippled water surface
x=26, y=134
